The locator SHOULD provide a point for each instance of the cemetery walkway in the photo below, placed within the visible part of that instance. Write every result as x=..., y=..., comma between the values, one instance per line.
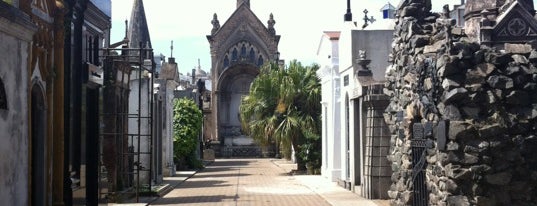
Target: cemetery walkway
x=251, y=182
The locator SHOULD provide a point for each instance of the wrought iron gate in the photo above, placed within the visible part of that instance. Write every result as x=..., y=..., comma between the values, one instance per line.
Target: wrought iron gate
x=419, y=163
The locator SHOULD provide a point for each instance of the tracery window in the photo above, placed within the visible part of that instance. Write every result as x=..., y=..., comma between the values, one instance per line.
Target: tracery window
x=3, y=96
x=260, y=61
x=234, y=55
x=252, y=55
x=226, y=61
x=243, y=52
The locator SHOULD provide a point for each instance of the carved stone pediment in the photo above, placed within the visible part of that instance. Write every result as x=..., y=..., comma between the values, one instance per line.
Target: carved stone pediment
x=514, y=25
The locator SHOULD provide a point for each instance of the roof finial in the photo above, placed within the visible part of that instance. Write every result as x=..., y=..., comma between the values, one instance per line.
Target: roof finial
x=199, y=65
x=246, y=2
x=216, y=24
x=348, y=15
x=126, y=28
x=171, y=49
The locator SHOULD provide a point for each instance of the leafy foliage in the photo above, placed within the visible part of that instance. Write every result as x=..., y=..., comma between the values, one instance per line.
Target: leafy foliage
x=187, y=122
x=283, y=107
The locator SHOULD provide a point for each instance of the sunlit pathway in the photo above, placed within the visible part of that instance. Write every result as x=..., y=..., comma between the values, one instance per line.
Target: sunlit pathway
x=242, y=182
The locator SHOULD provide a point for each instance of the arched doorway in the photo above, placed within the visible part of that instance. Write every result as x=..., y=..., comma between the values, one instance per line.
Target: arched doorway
x=233, y=85
x=38, y=132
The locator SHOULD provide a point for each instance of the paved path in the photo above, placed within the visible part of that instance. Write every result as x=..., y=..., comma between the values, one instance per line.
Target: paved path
x=252, y=182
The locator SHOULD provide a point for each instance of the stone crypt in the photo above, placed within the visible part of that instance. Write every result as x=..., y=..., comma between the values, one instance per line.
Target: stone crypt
x=238, y=48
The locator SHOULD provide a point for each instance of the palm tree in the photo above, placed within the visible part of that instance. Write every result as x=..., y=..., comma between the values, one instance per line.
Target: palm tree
x=283, y=106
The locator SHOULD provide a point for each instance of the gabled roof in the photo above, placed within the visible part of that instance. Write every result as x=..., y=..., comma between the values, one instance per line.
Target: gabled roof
x=242, y=8
x=138, y=30
x=516, y=22
x=243, y=24
x=388, y=6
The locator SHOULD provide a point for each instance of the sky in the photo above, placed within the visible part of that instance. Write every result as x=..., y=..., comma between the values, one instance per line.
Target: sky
x=299, y=22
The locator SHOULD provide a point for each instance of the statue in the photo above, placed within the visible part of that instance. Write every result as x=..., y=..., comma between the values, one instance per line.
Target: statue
x=216, y=24
x=362, y=54
x=270, y=24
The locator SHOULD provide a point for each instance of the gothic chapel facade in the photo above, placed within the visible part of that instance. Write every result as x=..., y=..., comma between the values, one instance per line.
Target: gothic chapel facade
x=238, y=48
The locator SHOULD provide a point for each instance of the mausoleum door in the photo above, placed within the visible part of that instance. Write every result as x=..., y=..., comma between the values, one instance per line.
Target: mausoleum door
x=38, y=117
x=234, y=86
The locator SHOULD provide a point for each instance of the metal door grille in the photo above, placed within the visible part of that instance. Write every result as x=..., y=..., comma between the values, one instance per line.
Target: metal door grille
x=419, y=163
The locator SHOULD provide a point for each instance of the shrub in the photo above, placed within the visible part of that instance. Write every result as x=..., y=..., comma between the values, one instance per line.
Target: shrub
x=187, y=122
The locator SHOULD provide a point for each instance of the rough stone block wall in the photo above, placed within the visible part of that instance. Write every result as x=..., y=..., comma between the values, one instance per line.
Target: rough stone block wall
x=487, y=99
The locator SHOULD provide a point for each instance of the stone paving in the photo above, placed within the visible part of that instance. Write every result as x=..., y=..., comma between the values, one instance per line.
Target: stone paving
x=251, y=182
x=242, y=182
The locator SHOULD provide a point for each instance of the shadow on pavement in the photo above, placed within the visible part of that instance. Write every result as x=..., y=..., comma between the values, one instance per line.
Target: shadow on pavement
x=196, y=199
x=219, y=175
x=202, y=184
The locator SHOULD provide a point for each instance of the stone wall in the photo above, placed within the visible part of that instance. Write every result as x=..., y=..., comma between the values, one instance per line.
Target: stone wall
x=474, y=107
x=14, y=121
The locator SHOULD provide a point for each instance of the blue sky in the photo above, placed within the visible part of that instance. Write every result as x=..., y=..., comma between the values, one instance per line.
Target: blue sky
x=299, y=22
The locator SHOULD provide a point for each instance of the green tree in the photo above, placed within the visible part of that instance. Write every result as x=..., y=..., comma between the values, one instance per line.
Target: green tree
x=283, y=107
x=187, y=121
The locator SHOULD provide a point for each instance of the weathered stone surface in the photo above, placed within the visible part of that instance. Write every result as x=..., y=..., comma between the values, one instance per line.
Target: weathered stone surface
x=460, y=130
x=500, y=82
x=419, y=41
x=487, y=95
x=474, y=87
x=499, y=59
x=455, y=95
x=449, y=84
x=461, y=174
x=518, y=98
x=479, y=73
x=469, y=159
x=458, y=201
x=484, y=201
x=437, y=46
x=447, y=66
x=517, y=48
x=533, y=56
x=479, y=169
x=409, y=11
x=530, y=86
x=451, y=112
x=472, y=112
x=520, y=59
x=521, y=80
x=452, y=146
x=512, y=70
x=491, y=130
x=501, y=178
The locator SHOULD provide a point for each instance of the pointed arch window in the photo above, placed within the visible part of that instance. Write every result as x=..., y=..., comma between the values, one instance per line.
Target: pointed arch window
x=243, y=51
x=234, y=55
x=251, y=56
x=3, y=96
x=260, y=61
x=226, y=62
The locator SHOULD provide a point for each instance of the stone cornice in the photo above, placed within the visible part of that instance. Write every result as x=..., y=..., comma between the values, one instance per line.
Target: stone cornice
x=97, y=17
x=16, y=23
